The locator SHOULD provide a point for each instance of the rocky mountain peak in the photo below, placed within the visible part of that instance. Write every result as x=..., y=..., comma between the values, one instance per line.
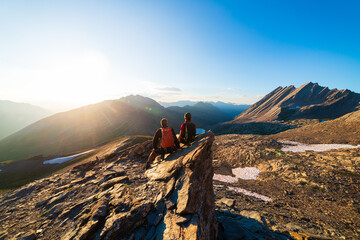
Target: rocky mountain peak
x=308, y=85
x=110, y=197
x=309, y=101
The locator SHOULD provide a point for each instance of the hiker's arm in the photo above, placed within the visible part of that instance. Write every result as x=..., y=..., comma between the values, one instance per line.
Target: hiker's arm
x=157, y=136
x=182, y=128
x=175, y=138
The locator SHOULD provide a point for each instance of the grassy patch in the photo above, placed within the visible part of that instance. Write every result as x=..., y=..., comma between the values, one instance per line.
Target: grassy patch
x=279, y=153
x=6, y=162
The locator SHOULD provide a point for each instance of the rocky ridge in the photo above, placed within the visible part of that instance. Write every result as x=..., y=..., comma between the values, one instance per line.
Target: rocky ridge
x=110, y=198
x=310, y=101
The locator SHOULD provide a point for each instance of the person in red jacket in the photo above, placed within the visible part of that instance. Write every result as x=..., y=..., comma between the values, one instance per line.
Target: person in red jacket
x=164, y=141
x=187, y=130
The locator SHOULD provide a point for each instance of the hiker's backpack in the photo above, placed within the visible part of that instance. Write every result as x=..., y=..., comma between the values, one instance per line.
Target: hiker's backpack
x=190, y=132
x=167, y=139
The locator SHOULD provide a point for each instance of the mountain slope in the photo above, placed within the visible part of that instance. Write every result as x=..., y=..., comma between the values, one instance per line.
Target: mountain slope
x=82, y=128
x=15, y=116
x=86, y=127
x=343, y=130
x=310, y=101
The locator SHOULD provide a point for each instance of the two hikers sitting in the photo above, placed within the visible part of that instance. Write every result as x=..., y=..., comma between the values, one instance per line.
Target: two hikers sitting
x=168, y=140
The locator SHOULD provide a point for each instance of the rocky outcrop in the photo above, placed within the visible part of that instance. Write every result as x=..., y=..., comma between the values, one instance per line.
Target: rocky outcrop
x=310, y=101
x=189, y=195
x=110, y=197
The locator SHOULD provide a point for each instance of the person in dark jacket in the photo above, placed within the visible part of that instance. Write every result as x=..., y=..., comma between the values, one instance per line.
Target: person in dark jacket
x=187, y=130
x=164, y=141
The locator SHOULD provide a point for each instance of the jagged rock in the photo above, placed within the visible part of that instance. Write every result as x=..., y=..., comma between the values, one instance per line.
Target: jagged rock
x=170, y=187
x=114, y=181
x=29, y=236
x=154, y=218
x=125, y=222
x=228, y=202
x=58, y=198
x=3, y=235
x=142, y=149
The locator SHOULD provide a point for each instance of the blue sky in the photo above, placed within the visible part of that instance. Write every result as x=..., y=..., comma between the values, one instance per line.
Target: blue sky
x=64, y=54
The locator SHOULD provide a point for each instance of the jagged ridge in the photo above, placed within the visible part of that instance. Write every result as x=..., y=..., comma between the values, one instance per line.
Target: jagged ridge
x=309, y=101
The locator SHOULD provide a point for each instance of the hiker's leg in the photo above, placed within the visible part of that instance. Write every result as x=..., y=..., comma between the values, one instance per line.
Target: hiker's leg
x=151, y=158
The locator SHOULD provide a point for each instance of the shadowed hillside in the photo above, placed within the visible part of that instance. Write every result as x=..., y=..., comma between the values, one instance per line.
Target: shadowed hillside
x=82, y=128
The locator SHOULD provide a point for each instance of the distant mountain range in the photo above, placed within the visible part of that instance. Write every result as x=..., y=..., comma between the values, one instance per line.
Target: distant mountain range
x=204, y=115
x=231, y=109
x=15, y=116
x=310, y=101
x=88, y=126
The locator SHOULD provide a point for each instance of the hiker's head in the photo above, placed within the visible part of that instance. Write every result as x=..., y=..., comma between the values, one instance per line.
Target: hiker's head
x=164, y=123
x=187, y=116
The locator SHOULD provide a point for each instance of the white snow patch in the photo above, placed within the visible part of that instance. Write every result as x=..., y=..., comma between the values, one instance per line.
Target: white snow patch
x=65, y=159
x=225, y=178
x=247, y=173
x=291, y=146
x=249, y=193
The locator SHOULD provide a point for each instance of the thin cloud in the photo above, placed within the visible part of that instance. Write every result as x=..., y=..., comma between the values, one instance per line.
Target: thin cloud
x=231, y=89
x=169, y=89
